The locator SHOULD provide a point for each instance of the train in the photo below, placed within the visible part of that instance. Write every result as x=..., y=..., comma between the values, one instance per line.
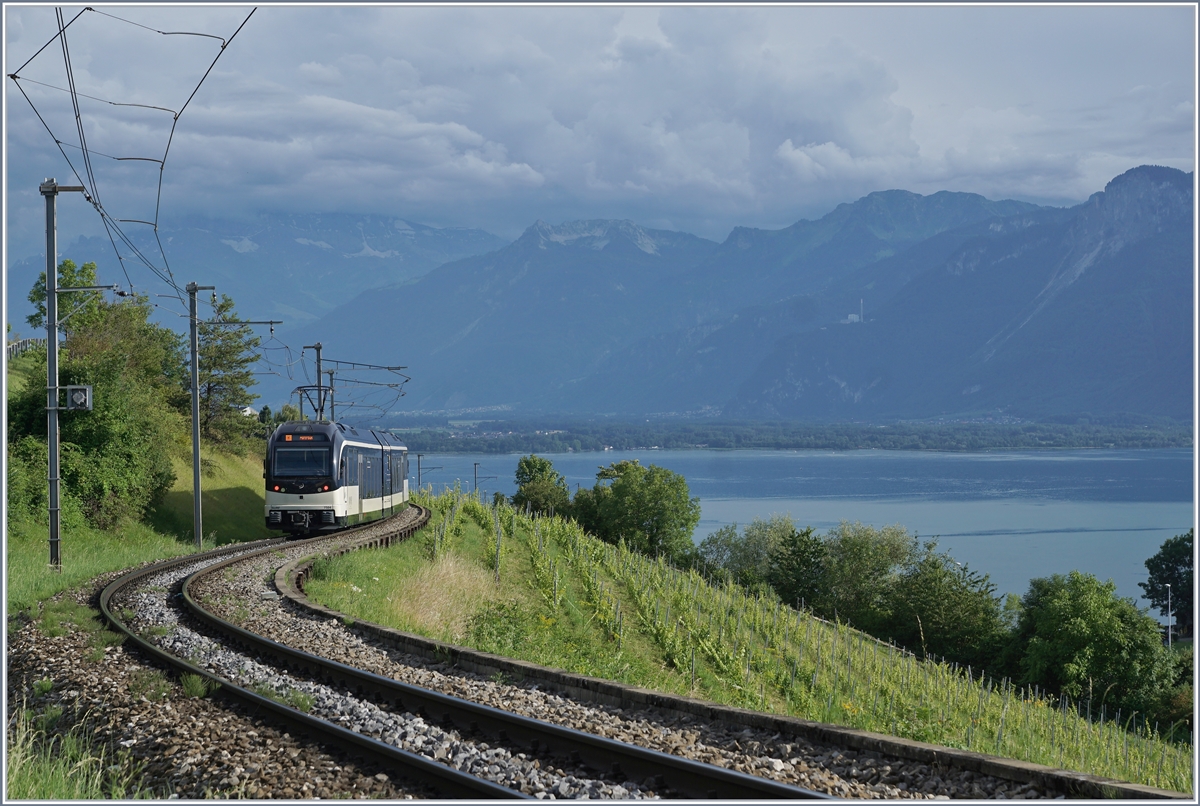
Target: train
x=323, y=476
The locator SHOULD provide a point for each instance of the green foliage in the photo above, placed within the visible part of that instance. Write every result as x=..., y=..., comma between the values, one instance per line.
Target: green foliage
x=861, y=566
x=76, y=308
x=64, y=765
x=750, y=559
x=650, y=508
x=149, y=683
x=797, y=567
x=115, y=459
x=1172, y=566
x=540, y=486
x=226, y=354
x=197, y=686
x=1077, y=636
x=877, y=579
x=945, y=609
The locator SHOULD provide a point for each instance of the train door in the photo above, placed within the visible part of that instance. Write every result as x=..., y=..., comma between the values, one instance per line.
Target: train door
x=387, y=481
x=361, y=487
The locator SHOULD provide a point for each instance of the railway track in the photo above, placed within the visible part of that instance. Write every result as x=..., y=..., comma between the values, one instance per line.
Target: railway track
x=459, y=734
x=476, y=751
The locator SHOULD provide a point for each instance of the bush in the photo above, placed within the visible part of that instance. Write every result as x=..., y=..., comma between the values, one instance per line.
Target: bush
x=115, y=460
x=1077, y=636
x=650, y=508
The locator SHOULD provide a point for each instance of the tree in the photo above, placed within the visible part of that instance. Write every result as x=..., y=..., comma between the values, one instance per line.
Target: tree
x=650, y=508
x=116, y=459
x=747, y=558
x=797, y=568
x=79, y=307
x=1172, y=565
x=1075, y=635
x=943, y=608
x=226, y=354
x=861, y=565
x=540, y=486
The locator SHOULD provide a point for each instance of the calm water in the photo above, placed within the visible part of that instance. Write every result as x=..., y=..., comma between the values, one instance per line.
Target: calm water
x=1014, y=515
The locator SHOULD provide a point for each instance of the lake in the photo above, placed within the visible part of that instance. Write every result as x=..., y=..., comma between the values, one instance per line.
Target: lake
x=1014, y=515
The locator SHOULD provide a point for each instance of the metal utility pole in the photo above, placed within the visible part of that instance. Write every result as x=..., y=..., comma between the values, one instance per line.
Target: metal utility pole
x=332, y=416
x=419, y=471
x=50, y=189
x=197, y=525
x=477, y=477
x=1169, y=619
x=320, y=402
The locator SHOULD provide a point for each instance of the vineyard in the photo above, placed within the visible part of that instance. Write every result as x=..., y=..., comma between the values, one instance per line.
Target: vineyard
x=646, y=619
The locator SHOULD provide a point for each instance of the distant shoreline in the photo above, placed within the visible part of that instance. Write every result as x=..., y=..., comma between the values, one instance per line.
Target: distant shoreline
x=496, y=437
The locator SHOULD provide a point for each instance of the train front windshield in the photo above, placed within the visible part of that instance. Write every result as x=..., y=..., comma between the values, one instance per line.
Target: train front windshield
x=302, y=462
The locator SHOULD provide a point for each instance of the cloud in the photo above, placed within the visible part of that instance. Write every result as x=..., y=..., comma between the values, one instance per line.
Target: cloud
x=694, y=118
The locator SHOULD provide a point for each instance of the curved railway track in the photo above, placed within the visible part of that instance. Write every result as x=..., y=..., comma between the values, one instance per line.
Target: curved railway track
x=268, y=672
x=220, y=615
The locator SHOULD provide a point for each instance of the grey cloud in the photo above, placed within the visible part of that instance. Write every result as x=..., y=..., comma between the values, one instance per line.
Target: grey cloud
x=693, y=118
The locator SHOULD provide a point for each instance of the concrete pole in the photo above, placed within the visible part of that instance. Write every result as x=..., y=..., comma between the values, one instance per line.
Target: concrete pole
x=197, y=520
x=49, y=189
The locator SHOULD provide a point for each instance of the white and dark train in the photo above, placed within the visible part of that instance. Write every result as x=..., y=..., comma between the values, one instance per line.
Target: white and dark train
x=323, y=476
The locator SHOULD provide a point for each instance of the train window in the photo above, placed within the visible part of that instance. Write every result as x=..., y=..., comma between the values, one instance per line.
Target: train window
x=302, y=462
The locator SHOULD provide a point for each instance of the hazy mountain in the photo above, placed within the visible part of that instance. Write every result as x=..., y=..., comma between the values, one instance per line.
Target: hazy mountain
x=506, y=327
x=291, y=267
x=971, y=305
x=699, y=368
x=755, y=267
x=606, y=316
x=1087, y=312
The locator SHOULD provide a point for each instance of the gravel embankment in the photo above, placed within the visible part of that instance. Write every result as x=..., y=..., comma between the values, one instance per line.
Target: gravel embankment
x=187, y=747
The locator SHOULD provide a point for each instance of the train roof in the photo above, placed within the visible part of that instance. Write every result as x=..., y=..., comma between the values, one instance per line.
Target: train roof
x=330, y=429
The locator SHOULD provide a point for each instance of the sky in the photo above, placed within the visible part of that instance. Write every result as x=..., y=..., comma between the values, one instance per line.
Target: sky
x=687, y=118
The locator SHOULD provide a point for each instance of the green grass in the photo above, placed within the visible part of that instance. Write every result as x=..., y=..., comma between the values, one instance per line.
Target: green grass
x=232, y=499
x=63, y=766
x=567, y=600
x=456, y=599
x=85, y=553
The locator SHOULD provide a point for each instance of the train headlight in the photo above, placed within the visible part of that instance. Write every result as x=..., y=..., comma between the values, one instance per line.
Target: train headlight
x=326, y=487
x=276, y=488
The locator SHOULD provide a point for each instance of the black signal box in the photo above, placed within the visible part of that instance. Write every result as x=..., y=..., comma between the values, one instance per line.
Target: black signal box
x=79, y=398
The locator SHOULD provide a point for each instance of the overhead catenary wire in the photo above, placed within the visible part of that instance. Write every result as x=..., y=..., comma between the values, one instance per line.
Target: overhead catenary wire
x=90, y=184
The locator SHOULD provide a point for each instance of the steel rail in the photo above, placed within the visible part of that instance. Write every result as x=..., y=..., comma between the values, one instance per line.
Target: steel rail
x=415, y=767
x=685, y=777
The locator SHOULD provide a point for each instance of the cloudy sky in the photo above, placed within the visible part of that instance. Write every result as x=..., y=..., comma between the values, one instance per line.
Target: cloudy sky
x=691, y=118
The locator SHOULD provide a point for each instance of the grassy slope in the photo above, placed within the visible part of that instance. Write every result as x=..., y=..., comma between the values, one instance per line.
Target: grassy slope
x=745, y=651
x=232, y=498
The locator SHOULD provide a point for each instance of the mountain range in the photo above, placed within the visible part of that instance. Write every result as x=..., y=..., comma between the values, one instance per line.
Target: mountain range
x=294, y=268
x=894, y=306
